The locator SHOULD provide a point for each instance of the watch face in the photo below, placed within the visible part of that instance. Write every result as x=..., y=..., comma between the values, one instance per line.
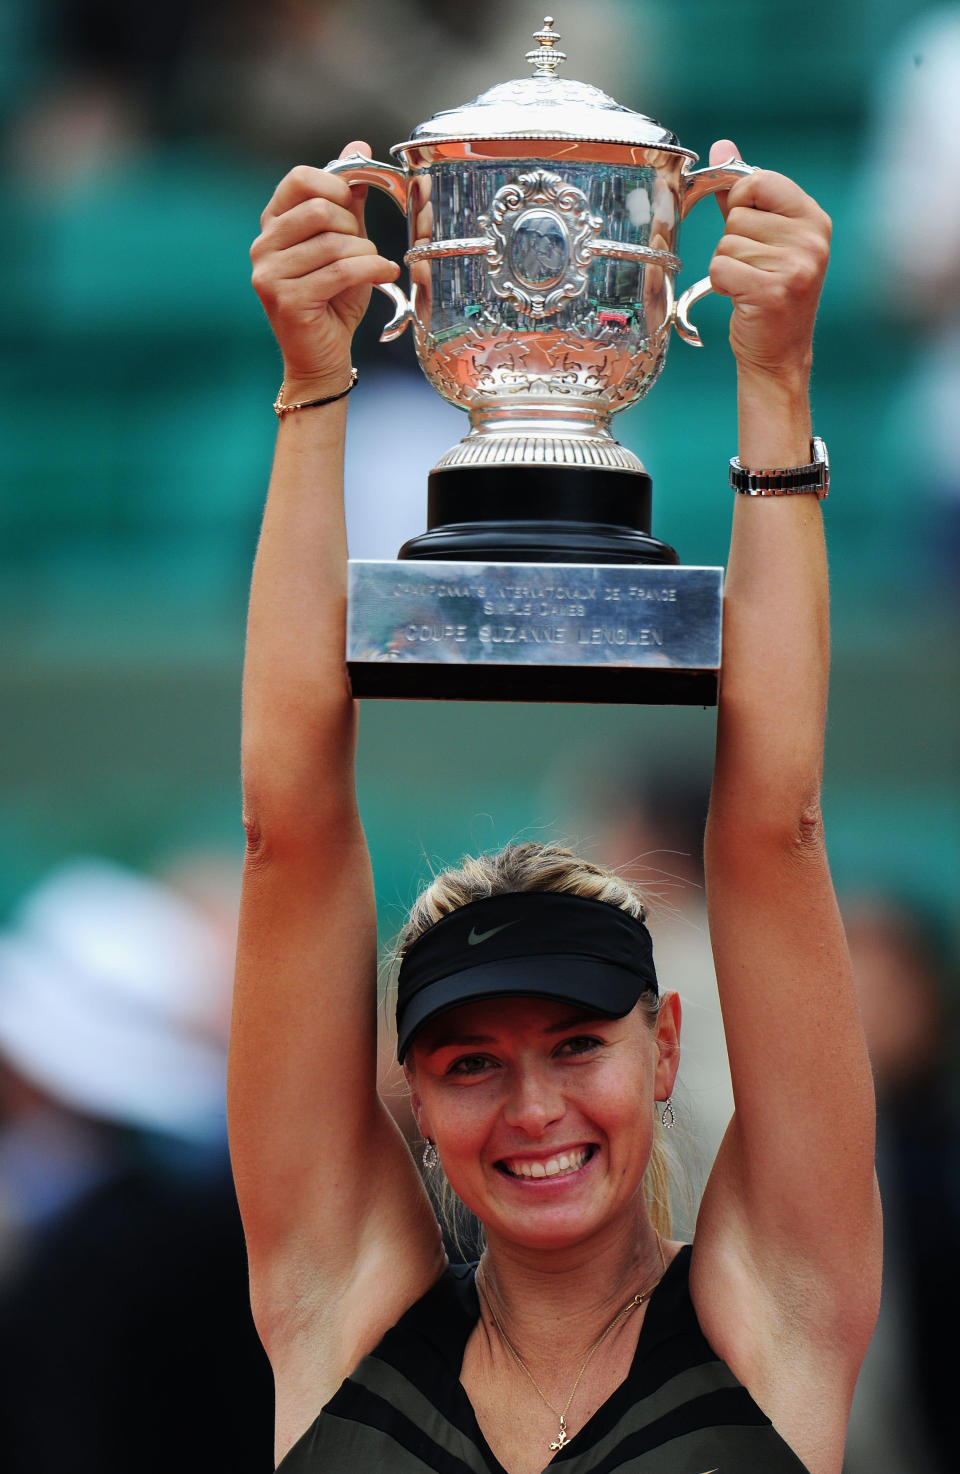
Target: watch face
x=822, y=457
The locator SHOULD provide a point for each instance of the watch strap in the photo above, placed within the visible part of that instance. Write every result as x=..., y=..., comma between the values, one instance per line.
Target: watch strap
x=785, y=480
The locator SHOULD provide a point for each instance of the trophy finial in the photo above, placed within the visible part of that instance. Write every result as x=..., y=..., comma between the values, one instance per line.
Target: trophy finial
x=546, y=58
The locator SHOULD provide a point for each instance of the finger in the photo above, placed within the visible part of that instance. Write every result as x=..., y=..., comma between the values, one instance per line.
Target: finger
x=788, y=283
x=304, y=221
x=722, y=152
x=320, y=251
x=763, y=225
x=764, y=255
x=303, y=183
x=737, y=279
x=799, y=250
x=358, y=192
x=765, y=189
x=285, y=271
x=779, y=276
x=340, y=275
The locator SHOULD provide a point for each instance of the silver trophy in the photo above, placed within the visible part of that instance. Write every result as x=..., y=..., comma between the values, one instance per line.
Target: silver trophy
x=543, y=222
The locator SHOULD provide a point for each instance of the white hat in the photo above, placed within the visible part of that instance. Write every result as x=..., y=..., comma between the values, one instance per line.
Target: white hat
x=107, y=982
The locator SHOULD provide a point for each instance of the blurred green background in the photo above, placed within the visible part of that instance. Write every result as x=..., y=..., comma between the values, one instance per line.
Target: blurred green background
x=138, y=374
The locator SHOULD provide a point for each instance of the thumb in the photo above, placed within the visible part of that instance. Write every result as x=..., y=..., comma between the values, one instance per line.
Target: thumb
x=358, y=192
x=722, y=152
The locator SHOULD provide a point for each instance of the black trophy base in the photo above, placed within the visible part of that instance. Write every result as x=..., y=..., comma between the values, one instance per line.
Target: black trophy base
x=585, y=685
x=538, y=514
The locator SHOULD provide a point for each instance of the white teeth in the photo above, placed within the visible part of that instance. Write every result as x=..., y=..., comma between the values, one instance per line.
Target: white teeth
x=565, y=1162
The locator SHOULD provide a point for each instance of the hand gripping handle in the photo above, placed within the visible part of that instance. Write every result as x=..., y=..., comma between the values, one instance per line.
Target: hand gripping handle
x=695, y=187
x=361, y=170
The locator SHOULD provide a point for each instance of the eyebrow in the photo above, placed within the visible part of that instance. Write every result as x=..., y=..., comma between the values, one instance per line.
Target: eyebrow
x=451, y=1040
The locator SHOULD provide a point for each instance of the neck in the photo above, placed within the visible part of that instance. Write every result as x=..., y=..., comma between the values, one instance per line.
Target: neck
x=540, y=1295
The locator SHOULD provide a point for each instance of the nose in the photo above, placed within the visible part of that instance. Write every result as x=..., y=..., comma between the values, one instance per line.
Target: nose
x=535, y=1101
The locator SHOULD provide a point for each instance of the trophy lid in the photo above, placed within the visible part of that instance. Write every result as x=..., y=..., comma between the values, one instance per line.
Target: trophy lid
x=547, y=106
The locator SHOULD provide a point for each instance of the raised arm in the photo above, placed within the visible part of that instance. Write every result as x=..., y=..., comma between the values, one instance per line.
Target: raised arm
x=790, y=1214
x=327, y=1189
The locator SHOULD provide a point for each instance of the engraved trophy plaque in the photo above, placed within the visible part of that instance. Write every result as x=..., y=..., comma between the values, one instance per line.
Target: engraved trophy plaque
x=543, y=221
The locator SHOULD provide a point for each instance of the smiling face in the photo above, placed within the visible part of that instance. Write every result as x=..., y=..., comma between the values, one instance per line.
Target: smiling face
x=542, y=1115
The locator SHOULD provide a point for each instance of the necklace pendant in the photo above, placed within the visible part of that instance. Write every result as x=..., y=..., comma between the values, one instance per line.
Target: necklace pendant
x=561, y=1438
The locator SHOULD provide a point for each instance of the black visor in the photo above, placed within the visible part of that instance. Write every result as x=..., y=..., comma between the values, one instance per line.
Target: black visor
x=539, y=944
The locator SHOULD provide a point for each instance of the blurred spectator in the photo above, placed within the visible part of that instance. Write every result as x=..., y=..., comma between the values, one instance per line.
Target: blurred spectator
x=125, y=1332
x=113, y=83
x=292, y=80
x=112, y=1000
x=903, y=1412
x=297, y=78
x=912, y=214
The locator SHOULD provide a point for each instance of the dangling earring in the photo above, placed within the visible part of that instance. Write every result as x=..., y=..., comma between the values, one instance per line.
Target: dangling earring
x=668, y=1116
x=430, y=1155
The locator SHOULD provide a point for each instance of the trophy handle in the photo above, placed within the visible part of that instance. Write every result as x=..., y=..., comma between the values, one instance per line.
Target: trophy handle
x=685, y=301
x=394, y=182
x=696, y=186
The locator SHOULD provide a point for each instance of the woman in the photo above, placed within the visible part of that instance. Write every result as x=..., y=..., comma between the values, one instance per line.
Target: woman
x=541, y=1101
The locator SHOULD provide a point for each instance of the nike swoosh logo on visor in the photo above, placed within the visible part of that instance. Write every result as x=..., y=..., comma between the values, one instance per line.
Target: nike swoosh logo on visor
x=476, y=937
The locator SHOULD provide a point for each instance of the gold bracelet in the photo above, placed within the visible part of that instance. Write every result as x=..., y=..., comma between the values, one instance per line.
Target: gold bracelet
x=280, y=409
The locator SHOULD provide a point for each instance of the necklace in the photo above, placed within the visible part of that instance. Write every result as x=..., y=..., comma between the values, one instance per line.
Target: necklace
x=563, y=1436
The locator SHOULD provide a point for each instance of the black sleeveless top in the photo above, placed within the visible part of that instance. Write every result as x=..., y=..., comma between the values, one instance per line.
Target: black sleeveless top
x=679, y=1411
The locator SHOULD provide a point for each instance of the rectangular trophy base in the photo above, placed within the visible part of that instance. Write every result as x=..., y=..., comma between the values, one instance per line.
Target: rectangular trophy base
x=566, y=632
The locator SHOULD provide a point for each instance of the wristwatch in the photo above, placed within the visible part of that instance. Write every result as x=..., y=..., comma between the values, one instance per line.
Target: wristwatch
x=785, y=480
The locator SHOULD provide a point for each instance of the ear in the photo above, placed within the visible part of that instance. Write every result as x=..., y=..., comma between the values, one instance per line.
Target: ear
x=668, y=1045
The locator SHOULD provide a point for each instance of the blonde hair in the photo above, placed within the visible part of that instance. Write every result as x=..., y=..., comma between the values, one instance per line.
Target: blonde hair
x=536, y=867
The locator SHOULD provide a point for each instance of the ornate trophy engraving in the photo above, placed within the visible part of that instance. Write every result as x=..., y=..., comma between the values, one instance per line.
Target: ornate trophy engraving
x=543, y=221
x=538, y=258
